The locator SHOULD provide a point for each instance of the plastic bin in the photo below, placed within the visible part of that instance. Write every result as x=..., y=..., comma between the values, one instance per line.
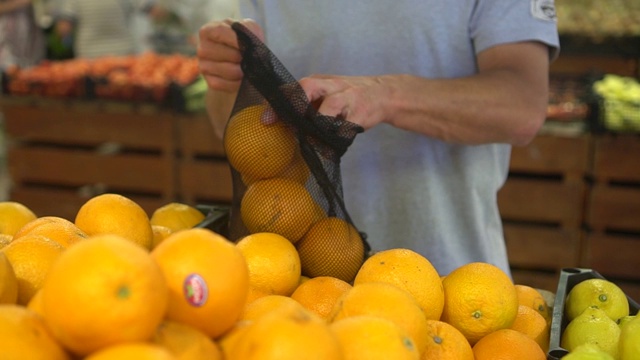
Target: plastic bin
x=216, y=218
x=570, y=277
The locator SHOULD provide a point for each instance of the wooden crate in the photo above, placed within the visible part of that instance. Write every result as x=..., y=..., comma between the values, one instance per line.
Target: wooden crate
x=582, y=64
x=62, y=153
x=542, y=206
x=204, y=175
x=613, y=217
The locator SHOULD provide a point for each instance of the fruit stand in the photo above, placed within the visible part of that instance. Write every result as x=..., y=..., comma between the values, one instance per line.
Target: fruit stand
x=109, y=141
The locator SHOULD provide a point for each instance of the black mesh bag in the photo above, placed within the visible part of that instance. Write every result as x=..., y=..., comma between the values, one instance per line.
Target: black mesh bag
x=285, y=163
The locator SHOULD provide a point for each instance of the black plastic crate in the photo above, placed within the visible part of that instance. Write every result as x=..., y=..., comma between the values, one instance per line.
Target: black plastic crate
x=570, y=277
x=216, y=218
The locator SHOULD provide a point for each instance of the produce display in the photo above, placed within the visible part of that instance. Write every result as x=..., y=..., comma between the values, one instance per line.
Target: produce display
x=567, y=99
x=619, y=101
x=183, y=291
x=599, y=19
x=594, y=319
x=145, y=77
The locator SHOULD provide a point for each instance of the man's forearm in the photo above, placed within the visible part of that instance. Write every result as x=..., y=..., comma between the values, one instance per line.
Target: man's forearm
x=219, y=105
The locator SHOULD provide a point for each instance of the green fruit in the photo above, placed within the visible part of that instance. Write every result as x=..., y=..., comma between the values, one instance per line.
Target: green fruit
x=629, y=343
x=625, y=319
x=600, y=293
x=593, y=326
x=587, y=352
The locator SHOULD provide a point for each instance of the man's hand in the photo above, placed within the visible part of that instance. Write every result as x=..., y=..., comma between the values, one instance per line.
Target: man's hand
x=219, y=54
x=358, y=99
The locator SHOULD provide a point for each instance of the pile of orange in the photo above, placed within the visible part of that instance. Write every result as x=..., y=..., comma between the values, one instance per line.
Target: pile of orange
x=92, y=289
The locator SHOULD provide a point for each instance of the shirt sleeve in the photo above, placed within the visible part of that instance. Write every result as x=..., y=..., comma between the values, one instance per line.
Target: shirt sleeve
x=496, y=22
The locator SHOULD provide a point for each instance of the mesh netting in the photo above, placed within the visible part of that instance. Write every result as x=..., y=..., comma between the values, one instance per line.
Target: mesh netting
x=285, y=164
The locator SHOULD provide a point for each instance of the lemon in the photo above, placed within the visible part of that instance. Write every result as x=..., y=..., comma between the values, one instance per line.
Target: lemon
x=587, y=352
x=600, y=293
x=629, y=343
x=625, y=319
x=8, y=281
x=593, y=326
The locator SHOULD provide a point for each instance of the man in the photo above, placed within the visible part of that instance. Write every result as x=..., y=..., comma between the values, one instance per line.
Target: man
x=443, y=90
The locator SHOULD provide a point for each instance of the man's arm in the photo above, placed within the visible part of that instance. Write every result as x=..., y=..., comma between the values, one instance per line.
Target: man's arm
x=219, y=60
x=505, y=102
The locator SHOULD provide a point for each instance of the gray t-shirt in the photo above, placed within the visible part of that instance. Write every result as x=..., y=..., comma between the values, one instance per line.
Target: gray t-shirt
x=401, y=188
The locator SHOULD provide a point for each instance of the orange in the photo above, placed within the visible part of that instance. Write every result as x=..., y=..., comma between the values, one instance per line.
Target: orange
x=273, y=261
x=446, y=342
x=58, y=229
x=208, y=279
x=176, y=216
x=102, y=291
x=24, y=335
x=132, y=351
x=320, y=294
x=297, y=170
x=115, y=214
x=269, y=304
x=410, y=271
x=531, y=323
x=332, y=247
x=280, y=206
x=186, y=342
x=371, y=337
x=229, y=340
x=479, y=298
x=255, y=294
x=159, y=234
x=13, y=216
x=507, y=344
x=32, y=257
x=5, y=239
x=531, y=297
x=256, y=148
x=35, y=304
x=386, y=301
x=287, y=336
x=8, y=281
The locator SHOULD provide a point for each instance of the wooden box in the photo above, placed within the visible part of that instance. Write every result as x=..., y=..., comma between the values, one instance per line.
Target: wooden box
x=62, y=153
x=203, y=171
x=542, y=207
x=613, y=216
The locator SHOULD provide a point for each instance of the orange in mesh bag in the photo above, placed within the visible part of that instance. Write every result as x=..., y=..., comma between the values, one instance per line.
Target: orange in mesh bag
x=285, y=163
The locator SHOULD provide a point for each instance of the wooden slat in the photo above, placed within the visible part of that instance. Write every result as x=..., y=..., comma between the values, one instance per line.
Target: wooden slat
x=523, y=199
x=617, y=158
x=614, y=208
x=613, y=255
x=586, y=64
x=66, y=127
x=198, y=138
x=548, y=154
x=539, y=247
x=210, y=180
x=77, y=168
